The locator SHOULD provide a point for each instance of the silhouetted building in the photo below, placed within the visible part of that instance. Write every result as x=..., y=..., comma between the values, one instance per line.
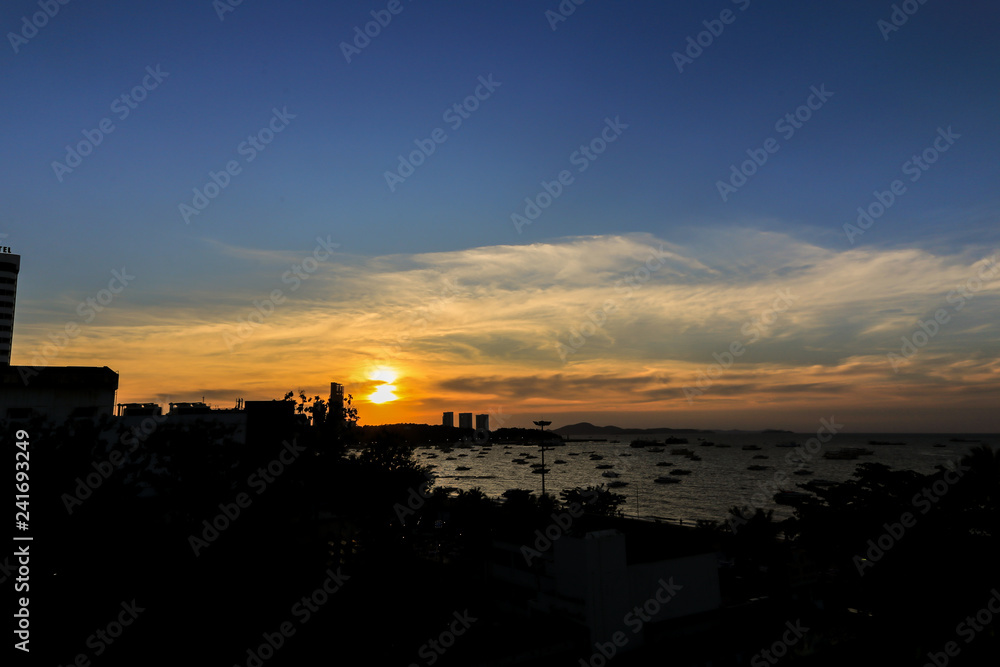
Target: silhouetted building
x=448, y=419
x=10, y=265
x=139, y=410
x=482, y=422
x=336, y=407
x=465, y=420
x=57, y=393
x=595, y=580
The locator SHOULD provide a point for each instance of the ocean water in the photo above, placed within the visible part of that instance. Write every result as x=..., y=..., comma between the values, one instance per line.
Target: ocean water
x=716, y=482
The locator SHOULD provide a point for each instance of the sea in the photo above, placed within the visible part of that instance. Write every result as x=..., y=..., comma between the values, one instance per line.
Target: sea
x=718, y=481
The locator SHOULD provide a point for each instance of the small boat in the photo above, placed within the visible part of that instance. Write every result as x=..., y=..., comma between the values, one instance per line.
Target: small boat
x=604, y=466
x=559, y=462
x=462, y=468
x=680, y=451
x=664, y=463
x=530, y=456
x=675, y=441
x=756, y=467
x=617, y=484
x=638, y=444
x=655, y=450
x=596, y=457
x=790, y=443
x=750, y=448
x=666, y=480
x=802, y=472
x=451, y=458
x=609, y=473
x=759, y=456
x=791, y=497
x=680, y=471
x=574, y=453
x=519, y=461
x=624, y=454
x=540, y=471
x=847, y=453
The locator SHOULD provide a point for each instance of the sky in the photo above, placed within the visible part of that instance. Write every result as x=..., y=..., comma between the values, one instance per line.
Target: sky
x=719, y=214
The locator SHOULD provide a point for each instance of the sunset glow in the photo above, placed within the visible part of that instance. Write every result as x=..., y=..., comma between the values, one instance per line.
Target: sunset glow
x=383, y=392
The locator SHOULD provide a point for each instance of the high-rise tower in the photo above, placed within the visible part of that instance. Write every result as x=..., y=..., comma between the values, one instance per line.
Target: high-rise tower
x=10, y=265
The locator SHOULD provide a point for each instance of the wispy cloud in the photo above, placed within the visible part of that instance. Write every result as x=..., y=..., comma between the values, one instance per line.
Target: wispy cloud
x=485, y=323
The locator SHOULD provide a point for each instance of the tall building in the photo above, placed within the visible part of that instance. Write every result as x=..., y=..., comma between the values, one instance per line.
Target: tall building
x=10, y=265
x=465, y=420
x=336, y=406
x=482, y=422
x=448, y=419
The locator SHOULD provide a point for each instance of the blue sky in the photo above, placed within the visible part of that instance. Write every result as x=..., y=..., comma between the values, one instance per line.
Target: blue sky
x=324, y=174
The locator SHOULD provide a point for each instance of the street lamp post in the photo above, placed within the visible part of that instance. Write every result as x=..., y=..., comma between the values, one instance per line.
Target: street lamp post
x=543, y=424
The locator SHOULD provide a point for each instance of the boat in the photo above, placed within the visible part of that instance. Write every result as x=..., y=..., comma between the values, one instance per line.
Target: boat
x=462, y=468
x=759, y=456
x=540, y=471
x=693, y=457
x=675, y=441
x=680, y=471
x=596, y=457
x=638, y=444
x=574, y=453
x=756, y=467
x=655, y=450
x=680, y=451
x=664, y=463
x=559, y=462
x=451, y=458
x=750, y=448
x=519, y=461
x=609, y=473
x=791, y=497
x=617, y=484
x=604, y=466
x=847, y=453
x=666, y=480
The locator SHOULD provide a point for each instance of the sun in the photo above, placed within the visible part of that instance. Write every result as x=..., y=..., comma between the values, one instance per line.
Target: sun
x=383, y=392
